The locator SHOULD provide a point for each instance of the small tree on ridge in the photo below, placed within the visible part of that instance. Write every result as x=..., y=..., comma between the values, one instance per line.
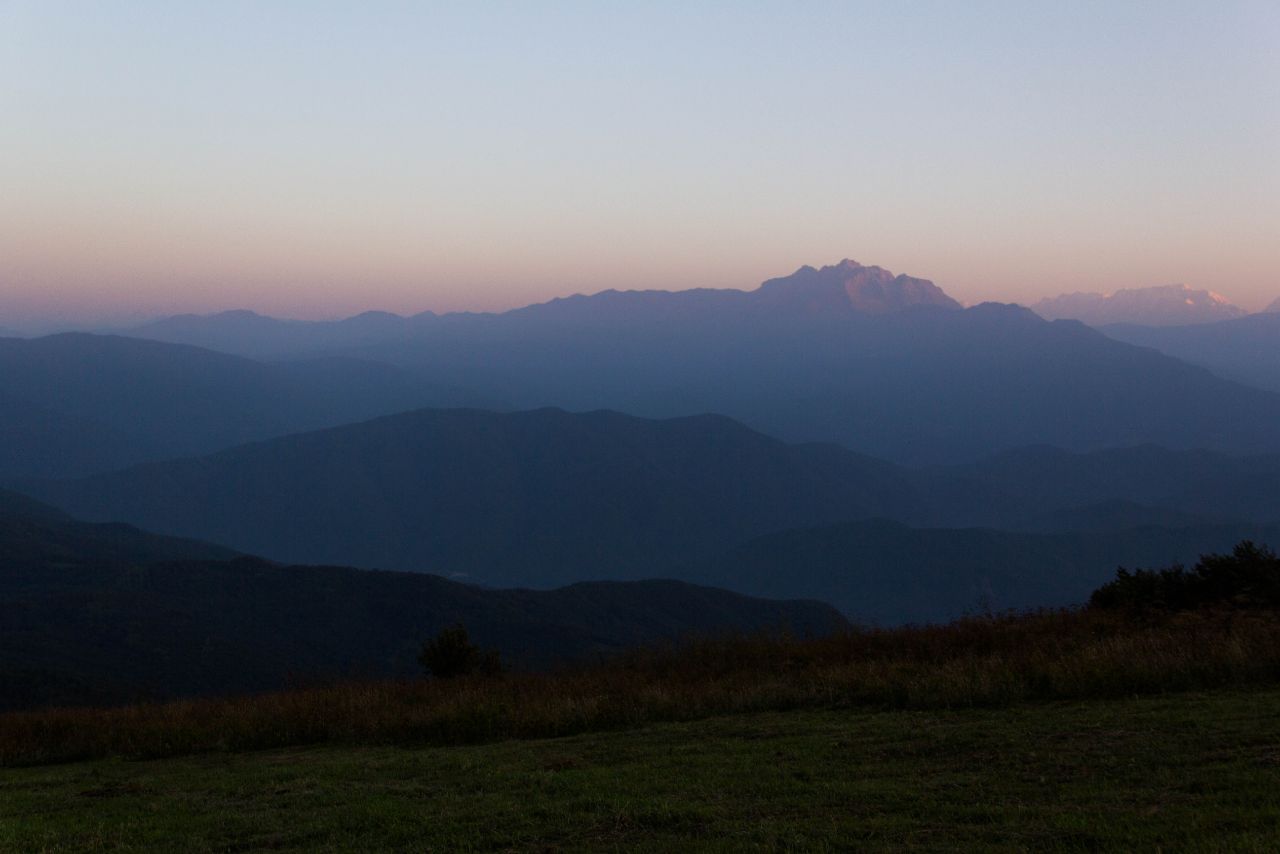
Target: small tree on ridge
x=451, y=654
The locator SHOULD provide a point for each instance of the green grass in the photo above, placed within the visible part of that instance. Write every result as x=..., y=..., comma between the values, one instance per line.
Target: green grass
x=1193, y=771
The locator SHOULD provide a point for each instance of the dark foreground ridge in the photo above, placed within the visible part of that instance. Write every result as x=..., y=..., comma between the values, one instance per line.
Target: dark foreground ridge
x=978, y=662
x=1226, y=633
x=1178, y=772
x=104, y=613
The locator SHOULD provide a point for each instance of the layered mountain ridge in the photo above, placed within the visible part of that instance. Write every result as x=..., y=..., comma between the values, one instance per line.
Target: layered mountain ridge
x=1246, y=349
x=1161, y=305
x=880, y=363
x=112, y=614
x=75, y=403
x=548, y=497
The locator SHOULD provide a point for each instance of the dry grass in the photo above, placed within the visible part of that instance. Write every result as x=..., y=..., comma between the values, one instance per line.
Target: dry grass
x=973, y=662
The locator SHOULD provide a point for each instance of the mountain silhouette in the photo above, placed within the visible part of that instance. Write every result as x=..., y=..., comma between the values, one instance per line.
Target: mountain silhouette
x=547, y=497
x=110, y=614
x=846, y=287
x=1246, y=350
x=77, y=403
x=914, y=386
x=1043, y=480
x=883, y=572
x=883, y=364
x=531, y=498
x=1163, y=305
x=851, y=287
x=248, y=333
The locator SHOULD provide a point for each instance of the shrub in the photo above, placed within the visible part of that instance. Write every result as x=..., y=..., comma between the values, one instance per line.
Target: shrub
x=1249, y=577
x=451, y=654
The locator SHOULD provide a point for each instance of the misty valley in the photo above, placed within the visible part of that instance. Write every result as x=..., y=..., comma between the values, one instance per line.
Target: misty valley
x=841, y=436
x=447, y=427
x=841, y=489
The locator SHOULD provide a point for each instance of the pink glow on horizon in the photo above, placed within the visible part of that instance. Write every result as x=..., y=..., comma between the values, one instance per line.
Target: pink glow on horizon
x=319, y=160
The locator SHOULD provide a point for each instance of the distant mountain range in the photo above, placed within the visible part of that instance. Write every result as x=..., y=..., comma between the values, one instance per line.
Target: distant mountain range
x=547, y=497
x=77, y=403
x=883, y=364
x=1143, y=484
x=847, y=287
x=532, y=498
x=1166, y=305
x=883, y=572
x=32, y=532
x=1246, y=350
x=879, y=447
x=246, y=333
x=109, y=614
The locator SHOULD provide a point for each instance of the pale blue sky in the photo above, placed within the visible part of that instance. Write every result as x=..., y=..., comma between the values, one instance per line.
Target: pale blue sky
x=314, y=159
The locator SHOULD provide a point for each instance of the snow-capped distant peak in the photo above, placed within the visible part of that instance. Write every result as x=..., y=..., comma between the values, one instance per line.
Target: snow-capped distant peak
x=1162, y=305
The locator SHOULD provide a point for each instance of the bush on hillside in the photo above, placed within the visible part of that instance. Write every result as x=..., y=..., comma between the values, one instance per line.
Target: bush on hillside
x=1249, y=577
x=451, y=654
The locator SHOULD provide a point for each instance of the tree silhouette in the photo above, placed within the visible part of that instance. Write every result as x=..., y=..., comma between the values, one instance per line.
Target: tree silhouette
x=451, y=654
x=1249, y=577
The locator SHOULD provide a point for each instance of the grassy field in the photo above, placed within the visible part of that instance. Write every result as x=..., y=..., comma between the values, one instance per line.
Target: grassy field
x=974, y=663
x=1192, y=771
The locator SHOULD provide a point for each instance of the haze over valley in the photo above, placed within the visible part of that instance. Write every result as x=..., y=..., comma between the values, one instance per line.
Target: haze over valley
x=639, y=427
x=572, y=441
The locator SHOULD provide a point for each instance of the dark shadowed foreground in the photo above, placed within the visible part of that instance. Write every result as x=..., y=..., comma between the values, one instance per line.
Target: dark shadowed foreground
x=971, y=663
x=1186, y=772
x=96, y=615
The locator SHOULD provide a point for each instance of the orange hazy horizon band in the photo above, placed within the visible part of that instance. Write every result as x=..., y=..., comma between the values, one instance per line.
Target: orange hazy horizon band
x=320, y=160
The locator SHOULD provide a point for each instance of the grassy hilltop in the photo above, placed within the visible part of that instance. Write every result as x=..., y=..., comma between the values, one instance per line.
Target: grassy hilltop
x=1149, y=720
x=1186, y=772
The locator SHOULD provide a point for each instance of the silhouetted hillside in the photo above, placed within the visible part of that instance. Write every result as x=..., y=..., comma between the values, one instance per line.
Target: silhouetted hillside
x=547, y=497
x=884, y=572
x=1113, y=515
x=76, y=403
x=919, y=385
x=35, y=440
x=35, y=532
x=883, y=364
x=1042, y=481
x=246, y=333
x=1246, y=350
x=538, y=498
x=107, y=613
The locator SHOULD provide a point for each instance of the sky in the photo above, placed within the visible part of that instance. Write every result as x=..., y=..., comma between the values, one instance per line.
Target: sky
x=316, y=159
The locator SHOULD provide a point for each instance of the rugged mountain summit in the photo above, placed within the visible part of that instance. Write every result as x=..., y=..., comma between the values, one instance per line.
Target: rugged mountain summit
x=1163, y=305
x=880, y=363
x=850, y=285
